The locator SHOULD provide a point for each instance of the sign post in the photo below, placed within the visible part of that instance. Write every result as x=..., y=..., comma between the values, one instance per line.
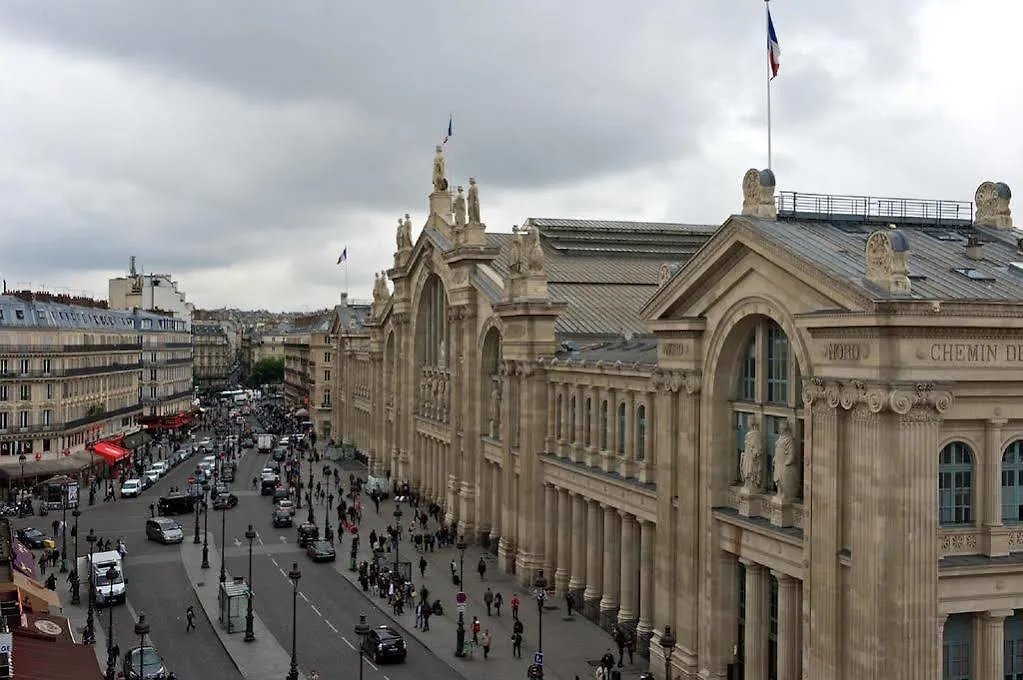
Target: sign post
x=460, y=599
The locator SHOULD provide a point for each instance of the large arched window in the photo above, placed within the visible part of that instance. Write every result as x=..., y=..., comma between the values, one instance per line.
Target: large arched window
x=558, y=414
x=1012, y=483
x=955, y=485
x=767, y=389
x=957, y=648
x=641, y=432
x=603, y=424
x=621, y=428
x=433, y=334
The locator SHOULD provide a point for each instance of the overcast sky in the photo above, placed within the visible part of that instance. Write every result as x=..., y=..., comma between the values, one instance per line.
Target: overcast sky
x=241, y=145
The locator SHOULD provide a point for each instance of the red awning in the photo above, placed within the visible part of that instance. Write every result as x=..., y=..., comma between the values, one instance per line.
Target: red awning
x=110, y=452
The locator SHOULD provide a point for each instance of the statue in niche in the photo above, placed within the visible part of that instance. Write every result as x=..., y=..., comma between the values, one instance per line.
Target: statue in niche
x=459, y=208
x=442, y=356
x=515, y=252
x=753, y=457
x=440, y=181
x=536, y=253
x=786, y=466
x=474, y=202
x=495, y=406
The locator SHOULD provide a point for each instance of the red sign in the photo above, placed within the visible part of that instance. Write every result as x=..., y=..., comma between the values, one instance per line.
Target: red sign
x=67, y=452
x=191, y=480
x=39, y=456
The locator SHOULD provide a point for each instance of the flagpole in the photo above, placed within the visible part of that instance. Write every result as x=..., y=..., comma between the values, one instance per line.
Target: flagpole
x=770, y=74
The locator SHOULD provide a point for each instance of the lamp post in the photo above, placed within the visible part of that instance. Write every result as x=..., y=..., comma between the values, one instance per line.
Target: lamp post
x=89, y=636
x=397, y=534
x=460, y=628
x=540, y=591
x=309, y=490
x=141, y=629
x=198, y=504
x=111, y=659
x=294, y=575
x=668, y=646
x=205, y=535
x=63, y=532
x=250, y=635
x=21, y=459
x=223, y=543
x=76, y=597
x=362, y=630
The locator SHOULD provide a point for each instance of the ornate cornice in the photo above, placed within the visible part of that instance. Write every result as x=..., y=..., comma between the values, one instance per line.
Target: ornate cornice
x=673, y=381
x=899, y=398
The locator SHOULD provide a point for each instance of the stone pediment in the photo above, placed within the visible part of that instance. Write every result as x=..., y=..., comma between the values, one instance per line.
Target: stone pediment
x=739, y=253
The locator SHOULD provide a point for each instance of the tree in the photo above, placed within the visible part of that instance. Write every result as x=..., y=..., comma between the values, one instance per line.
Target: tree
x=268, y=370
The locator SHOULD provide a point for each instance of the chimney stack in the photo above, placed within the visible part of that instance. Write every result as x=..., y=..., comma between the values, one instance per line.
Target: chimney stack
x=131, y=266
x=974, y=248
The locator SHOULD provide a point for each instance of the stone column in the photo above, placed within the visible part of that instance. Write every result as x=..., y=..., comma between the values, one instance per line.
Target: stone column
x=645, y=626
x=507, y=545
x=594, y=560
x=628, y=462
x=551, y=441
x=941, y=620
x=992, y=643
x=577, y=576
x=550, y=540
x=627, y=612
x=790, y=627
x=992, y=480
x=610, y=454
x=758, y=609
x=564, y=565
x=612, y=568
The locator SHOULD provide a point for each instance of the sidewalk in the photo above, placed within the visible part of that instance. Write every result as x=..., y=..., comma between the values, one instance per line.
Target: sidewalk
x=264, y=659
x=572, y=645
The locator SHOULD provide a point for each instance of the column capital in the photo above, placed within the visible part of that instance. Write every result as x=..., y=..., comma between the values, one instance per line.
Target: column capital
x=626, y=516
x=998, y=422
x=784, y=580
x=998, y=614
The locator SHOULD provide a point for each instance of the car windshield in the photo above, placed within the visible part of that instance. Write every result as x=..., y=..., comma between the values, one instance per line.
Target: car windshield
x=388, y=636
x=323, y=545
x=33, y=533
x=150, y=658
x=102, y=580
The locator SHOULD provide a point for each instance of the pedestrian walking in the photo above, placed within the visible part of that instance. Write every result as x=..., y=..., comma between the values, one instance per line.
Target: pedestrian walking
x=517, y=645
x=190, y=617
x=422, y=567
x=515, y=602
x=569, y=602
x=485, y=643
x=481, y=567
x=498, y=601
x=488, y=599
x=475, y=631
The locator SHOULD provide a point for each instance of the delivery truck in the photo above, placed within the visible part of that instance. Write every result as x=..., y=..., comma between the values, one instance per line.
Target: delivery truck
x=265, y=442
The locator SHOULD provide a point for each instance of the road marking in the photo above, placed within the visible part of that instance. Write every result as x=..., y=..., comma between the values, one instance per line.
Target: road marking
x=302, y=595
x=282, y=572
x=313, y=607
x=331, y=626
x=237, y=543
x=274, y=560
x=347, y=642
x=371, y=665
x=260, y=539
x=284, y=539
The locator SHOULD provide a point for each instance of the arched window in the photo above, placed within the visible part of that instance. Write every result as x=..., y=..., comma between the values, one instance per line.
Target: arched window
x=603, y=424
x=1012, y=483
x=766, y=390
x=957, y=648
x=571, y=420
x=955, y=485
x=641, y=432
x=558, y=414
x=621, y=429
x=588, y=423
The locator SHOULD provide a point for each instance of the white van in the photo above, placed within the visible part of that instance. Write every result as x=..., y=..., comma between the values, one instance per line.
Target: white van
x=108, y=591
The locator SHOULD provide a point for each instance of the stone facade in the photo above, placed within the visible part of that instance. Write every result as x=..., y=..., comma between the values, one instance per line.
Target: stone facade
x=308, y=370
x=211, y=355
x=759, y=469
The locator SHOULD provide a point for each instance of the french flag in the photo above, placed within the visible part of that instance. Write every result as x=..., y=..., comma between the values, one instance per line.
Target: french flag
x=773, y=48
x=451, y=129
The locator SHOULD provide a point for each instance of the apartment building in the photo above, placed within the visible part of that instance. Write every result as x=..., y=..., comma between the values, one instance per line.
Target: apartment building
x=211, y=355
x=308, y=369
x=73, y=371
x=149, y=292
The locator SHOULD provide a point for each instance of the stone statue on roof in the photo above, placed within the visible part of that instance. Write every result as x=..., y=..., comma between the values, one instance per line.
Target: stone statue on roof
x=399, y=235
x=515, y=252
x=474, y=202
x=536, y=259
x=459, y=208
x=440, y=181
x=407, y=231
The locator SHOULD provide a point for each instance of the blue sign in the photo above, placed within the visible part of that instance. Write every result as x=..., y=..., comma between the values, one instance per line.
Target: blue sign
x=538, y=658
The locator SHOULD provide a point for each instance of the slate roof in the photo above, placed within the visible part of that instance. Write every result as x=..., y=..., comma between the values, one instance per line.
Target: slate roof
x=207, y=329
x=935, y=253
x=605, y=271
x=640, y=350
x=353, y=317
x=17, y=312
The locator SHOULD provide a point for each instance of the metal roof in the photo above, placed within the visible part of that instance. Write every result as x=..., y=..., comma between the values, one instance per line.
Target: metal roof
x=16, y=312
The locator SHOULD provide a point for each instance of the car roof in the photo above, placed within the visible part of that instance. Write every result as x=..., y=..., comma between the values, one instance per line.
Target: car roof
x=387, y=631
x=163, y=521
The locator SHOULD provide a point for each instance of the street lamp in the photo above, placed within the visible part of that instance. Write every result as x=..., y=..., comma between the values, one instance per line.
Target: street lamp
x=309, y=490
x=76, y=598
x=63, y=533
x=668, y=646
x=362, y=630
x=21, y=459
x=205, y=535
x=540, y=591
x=111, y=660
x=460, y=628
x=223, y=543
x=250, y=635
x=198, y=504
x=294, y=575
x=397, y=535
x=89, y=636
x=141, y=629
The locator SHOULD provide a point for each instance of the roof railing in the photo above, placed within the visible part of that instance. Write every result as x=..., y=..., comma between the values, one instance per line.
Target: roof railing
x=870, y=209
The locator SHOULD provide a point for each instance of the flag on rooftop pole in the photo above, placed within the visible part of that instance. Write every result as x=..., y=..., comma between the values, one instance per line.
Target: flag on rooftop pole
x=343, y=257
x=451, y=130
x=773, y=64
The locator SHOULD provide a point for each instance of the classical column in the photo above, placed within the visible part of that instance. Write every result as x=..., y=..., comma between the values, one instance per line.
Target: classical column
x=496, y=528
x=550, y=539
x=992, y=481
x=646, y=583
x=627, y=611
x=577, y=580
x=758, y=609
x=992, y=643
x=612, y=567
x=628, y=468
x=564, y=565
x=940, y=622
x=507, y=545
x=594, y=559
x=790, y=627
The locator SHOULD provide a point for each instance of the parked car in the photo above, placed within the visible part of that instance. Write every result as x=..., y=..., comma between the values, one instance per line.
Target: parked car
x=152, y=474
x=280, y=454
x=281, y=518
x=153, y=667
x=225, y=501
x=164, y=530
x=35, y=539
x=321, y=551
x=307, y=533
x=131, y=488
x=384, y=643
x=163, y=467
